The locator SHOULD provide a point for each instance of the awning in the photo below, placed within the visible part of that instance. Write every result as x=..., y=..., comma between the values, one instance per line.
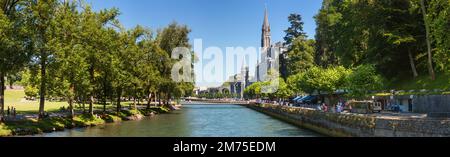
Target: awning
x=296, y=98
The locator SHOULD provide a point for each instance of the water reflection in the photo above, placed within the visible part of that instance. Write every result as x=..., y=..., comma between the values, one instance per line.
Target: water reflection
x=196, y=121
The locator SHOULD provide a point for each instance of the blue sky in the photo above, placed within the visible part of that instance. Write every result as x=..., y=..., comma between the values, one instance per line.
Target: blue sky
x=219, y=23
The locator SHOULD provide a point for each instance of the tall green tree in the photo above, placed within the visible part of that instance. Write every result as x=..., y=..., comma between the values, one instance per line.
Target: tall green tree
x=438, y=15
x=392, y=35
x=295, y=30
x=41, y=22
x=14, y=45
x=96, y=42
x=300, y=57
x=168, y=39
x=70, y=68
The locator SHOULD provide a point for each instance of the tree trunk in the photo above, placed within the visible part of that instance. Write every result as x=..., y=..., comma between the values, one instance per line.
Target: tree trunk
x=413, y=65
x=2, y=96
x=105, y=94
x=119, y=106
x=168, y=100
x=149, y=101
x=91, y=96
x=42, y=90
x=91, y=105
x=84, y=104
x=159, y=98
x=427, y=28
x=72, y=113
x=134, y=102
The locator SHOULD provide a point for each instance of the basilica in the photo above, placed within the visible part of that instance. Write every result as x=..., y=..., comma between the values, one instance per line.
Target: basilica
x=268, y=60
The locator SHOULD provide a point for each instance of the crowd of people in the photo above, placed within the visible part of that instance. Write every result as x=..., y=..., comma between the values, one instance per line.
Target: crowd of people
x=340, y=107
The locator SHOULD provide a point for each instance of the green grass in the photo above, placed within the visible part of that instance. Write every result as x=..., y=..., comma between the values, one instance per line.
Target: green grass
x=87, y=120
x=33, y=126
x=4, y=131
x=423, y=82
x=112, y=118
x=16, y=98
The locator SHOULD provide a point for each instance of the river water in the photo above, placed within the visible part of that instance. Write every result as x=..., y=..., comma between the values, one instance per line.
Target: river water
x=196, y=121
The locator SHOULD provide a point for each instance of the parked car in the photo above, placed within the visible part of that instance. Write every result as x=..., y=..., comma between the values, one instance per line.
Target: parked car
x=311, y=100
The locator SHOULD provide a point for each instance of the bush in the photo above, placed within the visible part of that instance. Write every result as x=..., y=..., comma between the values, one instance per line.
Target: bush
x=111, y=118
x=87, y=120
x=31, y=91
x=4, y=131
x=322, y=80
x=362, y=80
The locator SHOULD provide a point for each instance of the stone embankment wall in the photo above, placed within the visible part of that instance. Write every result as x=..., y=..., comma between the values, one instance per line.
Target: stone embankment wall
x=351, y=125
x=432, y=104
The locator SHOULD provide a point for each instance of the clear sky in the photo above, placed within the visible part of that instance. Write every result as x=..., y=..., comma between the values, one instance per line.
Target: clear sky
x=219, y=23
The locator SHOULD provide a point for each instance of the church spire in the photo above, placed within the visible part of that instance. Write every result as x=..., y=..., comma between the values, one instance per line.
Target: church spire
x=266, y=24
x=266, y=37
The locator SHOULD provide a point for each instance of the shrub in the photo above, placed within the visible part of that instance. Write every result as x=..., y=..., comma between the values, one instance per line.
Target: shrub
x=362, y=80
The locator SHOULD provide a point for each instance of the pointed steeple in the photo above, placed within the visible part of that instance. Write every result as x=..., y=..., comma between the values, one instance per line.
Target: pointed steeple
x=266, y=25
x=265, y=37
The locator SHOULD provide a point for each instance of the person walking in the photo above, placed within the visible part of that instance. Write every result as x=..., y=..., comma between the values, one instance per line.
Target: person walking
x=14, y=112
x=8, y=112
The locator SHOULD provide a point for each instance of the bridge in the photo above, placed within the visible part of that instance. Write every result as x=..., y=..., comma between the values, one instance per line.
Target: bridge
x=213, y=101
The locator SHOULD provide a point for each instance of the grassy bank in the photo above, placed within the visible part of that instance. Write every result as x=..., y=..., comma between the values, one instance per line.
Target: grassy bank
x=34, y=126
x=422, y=82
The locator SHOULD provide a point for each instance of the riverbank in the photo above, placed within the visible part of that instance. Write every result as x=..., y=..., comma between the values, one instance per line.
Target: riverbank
x=32, y=126
x=357, y=125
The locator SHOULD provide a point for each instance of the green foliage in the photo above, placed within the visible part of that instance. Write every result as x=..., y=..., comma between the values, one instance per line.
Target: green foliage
x=295, y=31
x=78, y=54
x=283, y=91
x=439, y=14
x=31, y=91
x=362, y=80
x=4, y=131
x=300, y=56
x=127, y=113
x=382, y=33
x=87, y=120
x=322, y=80
x=111, y=118
x=254, y=90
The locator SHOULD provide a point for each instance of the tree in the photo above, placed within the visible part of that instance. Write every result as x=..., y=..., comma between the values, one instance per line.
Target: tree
x=362, y=80
x=254, y=90
x=295, y=30
x=327, y=19
x=428, y=35
x=323, y=80
x=97, y=39
x=171, y=37
x=382, y=33
x=70, y=66
x=283, y=92
x=41, y=23
x=300, y=56
x=438, y=16
x=14, y=48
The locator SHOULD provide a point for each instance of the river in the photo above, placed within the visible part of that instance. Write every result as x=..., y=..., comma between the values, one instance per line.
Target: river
x=196, y=121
